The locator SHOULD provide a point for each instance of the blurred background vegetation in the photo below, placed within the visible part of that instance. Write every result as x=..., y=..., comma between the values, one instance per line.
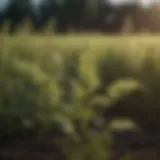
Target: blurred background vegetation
x=82, y=16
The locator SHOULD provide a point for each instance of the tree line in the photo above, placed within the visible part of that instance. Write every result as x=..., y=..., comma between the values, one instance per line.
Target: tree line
x=82, y=15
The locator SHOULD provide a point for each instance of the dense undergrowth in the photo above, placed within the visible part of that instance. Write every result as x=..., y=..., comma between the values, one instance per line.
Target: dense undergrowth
x=48, y=81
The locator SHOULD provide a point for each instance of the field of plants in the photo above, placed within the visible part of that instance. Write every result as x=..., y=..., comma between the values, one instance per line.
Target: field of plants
x=47, y=81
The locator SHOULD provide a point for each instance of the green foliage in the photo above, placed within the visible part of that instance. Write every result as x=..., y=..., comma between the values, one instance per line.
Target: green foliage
x=43, y=84
x=123, y=88
x=109, y=63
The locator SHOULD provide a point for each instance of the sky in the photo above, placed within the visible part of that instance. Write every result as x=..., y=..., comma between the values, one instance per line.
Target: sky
x=145, y=2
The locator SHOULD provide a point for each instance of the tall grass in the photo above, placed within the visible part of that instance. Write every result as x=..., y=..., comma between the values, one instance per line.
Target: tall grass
x=44, y=78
